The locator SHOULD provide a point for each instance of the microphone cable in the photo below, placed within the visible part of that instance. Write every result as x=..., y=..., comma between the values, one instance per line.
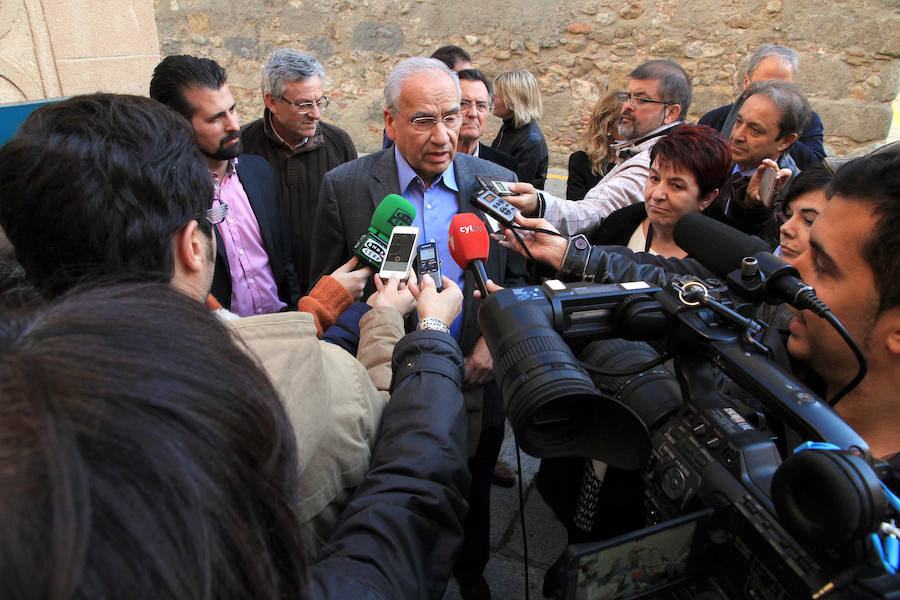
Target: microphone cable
x=863, y=365
x=515, y=226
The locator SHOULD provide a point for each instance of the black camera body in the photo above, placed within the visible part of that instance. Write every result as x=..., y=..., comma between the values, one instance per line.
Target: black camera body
x=719, y=446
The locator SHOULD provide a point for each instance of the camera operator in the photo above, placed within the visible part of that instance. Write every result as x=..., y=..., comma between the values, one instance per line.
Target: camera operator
x=854, y=265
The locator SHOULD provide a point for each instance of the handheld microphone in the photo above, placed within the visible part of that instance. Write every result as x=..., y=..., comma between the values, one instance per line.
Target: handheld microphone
x=469, y=246
x=722, y=249
x=372, y=245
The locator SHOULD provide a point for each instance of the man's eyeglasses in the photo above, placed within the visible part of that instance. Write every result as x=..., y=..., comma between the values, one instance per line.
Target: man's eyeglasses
x=217, y=213
x=637, y=100
x=426, y=124
x=481, y=107
x=306, y=107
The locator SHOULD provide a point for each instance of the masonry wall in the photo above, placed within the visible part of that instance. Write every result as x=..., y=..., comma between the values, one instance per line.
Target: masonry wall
x=848, y=50
x=52, y=48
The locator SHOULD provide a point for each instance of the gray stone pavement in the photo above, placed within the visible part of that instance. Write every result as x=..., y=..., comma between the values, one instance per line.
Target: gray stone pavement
x=546, y=537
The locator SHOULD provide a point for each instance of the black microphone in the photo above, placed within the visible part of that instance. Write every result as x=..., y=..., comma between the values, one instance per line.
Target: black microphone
x=722, y=250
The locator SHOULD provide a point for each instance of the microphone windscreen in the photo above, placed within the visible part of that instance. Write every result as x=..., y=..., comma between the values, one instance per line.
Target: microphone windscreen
x=717, y=246
x=468, y=239
x=392, y=211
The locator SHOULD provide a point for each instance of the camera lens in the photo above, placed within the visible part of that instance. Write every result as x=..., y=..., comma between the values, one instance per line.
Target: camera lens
x=552, y=404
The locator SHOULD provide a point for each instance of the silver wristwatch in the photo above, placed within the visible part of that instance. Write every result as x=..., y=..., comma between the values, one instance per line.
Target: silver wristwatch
x=432, y=323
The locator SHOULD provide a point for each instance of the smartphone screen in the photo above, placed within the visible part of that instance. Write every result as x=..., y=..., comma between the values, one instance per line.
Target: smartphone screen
x=399, y=253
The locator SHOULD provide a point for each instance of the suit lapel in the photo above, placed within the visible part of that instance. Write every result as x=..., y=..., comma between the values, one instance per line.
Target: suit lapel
x=384, y=177
x=257, y=204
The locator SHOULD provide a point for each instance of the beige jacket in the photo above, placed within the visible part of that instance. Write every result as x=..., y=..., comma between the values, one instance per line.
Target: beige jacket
x=333, y=400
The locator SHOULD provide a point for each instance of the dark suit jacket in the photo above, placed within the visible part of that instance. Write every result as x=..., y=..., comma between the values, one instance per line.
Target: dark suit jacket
x=262, y=191
x=505, y=160
x=807, y=150
x=349, y=196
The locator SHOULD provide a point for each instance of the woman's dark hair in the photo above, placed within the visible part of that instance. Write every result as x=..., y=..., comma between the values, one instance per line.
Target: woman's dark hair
x=142, y=455
x=811, y=178
x=699, y=149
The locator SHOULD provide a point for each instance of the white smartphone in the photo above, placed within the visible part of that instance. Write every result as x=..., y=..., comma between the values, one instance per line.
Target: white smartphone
x=400, y=253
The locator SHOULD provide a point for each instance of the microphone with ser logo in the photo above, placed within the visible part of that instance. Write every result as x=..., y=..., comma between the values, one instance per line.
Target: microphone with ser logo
x=372, y=245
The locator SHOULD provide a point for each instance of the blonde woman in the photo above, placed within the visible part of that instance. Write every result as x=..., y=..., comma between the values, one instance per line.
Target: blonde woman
x=517, y=100
x=587, y=167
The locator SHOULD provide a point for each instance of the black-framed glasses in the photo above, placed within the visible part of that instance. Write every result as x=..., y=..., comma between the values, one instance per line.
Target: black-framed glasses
x=482, y=107
x=306, y=107
x=426, y=124
x=217, y=213
x=624, y=97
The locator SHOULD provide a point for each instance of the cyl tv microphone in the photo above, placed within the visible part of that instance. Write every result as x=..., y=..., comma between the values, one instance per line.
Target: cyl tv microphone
x=372, y=245
x=469, y=246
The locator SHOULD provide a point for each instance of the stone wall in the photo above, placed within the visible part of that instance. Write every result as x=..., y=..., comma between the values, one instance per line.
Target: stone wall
x=848, y=49
x=51, y=48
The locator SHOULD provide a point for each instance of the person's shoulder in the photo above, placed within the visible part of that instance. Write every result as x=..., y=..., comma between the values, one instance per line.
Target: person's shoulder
x=504, y=159
x=363, y=163
x=480, y=166
x=714, y=117
x=254, y=163
x=253, y=133
x=534, y=131
x=815, y=122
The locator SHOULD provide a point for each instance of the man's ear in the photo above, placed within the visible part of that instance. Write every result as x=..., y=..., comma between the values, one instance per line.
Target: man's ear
x=190, y=248
x=891, y=318
x=270, y=101
x=786, y=141
x=673, y=113
x=389, y=124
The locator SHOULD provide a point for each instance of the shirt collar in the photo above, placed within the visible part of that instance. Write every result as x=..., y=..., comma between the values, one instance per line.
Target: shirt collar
x=405, y=173
x=281, y=139
x=230, y=168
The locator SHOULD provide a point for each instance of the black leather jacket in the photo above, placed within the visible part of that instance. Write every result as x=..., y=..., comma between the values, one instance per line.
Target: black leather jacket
x=399, y=536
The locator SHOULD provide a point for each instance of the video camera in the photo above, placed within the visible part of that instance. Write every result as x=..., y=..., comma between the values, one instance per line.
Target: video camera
x=713, y=443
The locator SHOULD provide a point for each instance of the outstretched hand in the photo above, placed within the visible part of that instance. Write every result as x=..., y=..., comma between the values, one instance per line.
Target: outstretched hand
x=444, y=305
x=353, y=281
x=395, y=293
x=782, y=176
x=545, y=247
x=491, y=288
x=525, y=198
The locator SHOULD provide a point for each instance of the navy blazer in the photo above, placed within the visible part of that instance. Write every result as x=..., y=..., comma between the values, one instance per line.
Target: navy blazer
x=261, y=187
x=347, y=200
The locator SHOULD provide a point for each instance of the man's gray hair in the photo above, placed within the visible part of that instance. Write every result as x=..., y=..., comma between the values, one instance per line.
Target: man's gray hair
x=409, y=67
x=674, y=83
x=285, y=66
x=782, y=52
x=790, y=101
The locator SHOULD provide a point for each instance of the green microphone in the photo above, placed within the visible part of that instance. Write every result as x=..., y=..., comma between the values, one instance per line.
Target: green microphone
x=372, y=245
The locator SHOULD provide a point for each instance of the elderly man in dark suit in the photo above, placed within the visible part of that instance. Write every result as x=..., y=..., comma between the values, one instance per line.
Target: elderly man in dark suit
x=422, y=117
